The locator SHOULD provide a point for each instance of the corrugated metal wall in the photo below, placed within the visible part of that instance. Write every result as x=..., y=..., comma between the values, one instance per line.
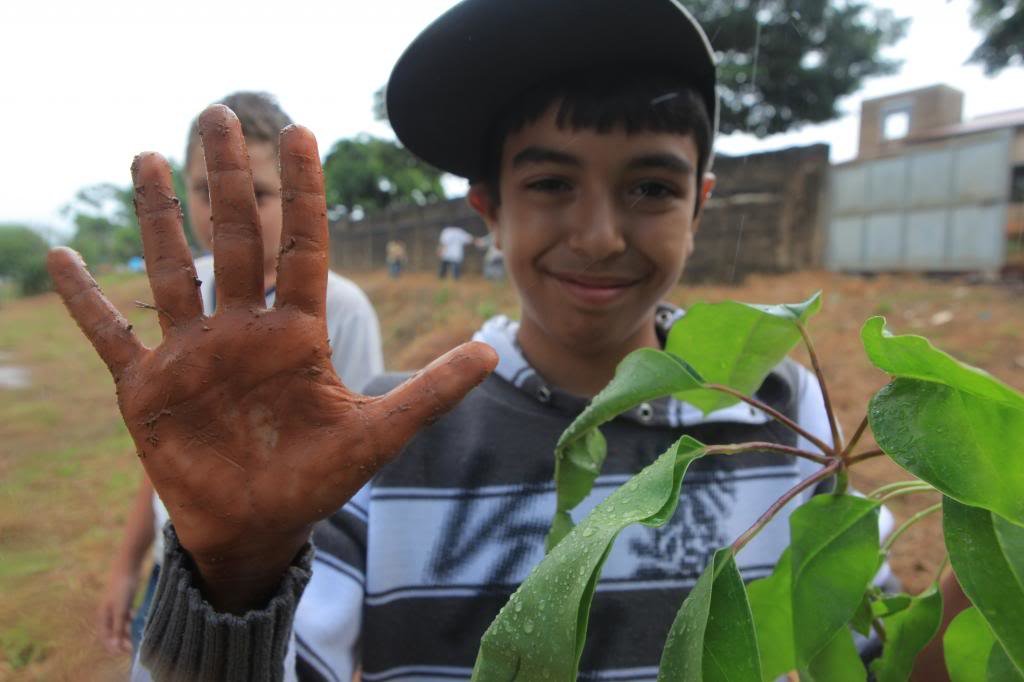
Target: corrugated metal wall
x=941, y=209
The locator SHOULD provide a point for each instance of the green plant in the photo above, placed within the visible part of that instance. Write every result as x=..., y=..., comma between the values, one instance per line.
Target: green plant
x=951, y=425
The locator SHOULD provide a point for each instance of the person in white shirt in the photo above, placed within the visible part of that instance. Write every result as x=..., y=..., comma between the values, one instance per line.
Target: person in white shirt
x=452, y=250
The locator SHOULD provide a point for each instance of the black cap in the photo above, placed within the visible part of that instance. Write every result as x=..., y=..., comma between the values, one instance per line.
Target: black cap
x=458, y=75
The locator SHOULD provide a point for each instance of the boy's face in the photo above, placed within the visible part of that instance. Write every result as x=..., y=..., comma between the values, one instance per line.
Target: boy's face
x=266, y=182
x=595, y=228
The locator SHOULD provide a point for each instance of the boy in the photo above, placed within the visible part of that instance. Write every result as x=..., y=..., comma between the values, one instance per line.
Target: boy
x=586, y=129
x=352, y=328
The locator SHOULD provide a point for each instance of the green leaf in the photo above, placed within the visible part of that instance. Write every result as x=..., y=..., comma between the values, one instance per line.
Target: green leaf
x=642, y=375
x=907, y=632
x=577, y=466
x=736, y=344
x=985, y=553
x=1001, y=668
x=771, y=603
x=835, y=556
x=539, y=634
x=863, y=617
x=966, y=645
x=950, y=424
x=838, y=661
x=712, y=638
x=883, y=608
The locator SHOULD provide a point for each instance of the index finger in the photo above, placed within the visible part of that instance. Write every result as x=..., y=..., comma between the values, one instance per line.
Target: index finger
x=302, y=263
x=105, y=327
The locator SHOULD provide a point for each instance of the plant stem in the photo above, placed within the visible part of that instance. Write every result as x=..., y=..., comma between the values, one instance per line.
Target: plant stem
x=771, y=447
x=837, y=440
x=778, y=416
x=910, y=490
x=889, y=541
x=863, y=456
x=856, y=437
x=894, y=486
x=748, y=535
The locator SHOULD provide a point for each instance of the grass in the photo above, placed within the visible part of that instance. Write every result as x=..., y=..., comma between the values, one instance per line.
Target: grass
x=68, y=467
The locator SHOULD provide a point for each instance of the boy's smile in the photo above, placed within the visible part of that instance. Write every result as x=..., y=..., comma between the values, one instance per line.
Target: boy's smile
x=595, y=229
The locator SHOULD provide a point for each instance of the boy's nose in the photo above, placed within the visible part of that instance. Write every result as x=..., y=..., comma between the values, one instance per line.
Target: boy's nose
x=596, y=231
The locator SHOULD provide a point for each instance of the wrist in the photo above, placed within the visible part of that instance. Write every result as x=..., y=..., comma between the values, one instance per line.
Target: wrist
x=242, y=582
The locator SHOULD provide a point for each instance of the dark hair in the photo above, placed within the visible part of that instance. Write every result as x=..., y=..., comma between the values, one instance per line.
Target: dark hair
x=259, y=113
x=601, y=100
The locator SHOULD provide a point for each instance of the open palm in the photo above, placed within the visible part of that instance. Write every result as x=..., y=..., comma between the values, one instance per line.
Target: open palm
x=242, y=424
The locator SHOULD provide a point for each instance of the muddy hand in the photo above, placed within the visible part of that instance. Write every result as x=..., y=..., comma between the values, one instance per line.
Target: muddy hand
x=239, y=418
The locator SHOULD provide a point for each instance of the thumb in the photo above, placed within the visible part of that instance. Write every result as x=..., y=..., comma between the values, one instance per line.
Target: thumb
x=430, y=393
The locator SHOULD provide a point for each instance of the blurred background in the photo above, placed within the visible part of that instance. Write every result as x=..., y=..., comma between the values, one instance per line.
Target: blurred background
x=872, y=149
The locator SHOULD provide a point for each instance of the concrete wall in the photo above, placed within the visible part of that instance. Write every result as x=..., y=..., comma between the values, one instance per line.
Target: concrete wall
x=766, y=215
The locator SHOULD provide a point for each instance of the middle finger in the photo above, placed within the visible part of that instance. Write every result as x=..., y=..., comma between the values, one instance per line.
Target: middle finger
x=237, y=242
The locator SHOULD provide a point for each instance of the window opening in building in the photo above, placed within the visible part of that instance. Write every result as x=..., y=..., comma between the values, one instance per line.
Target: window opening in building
x=1017, y=186
x=896, y=124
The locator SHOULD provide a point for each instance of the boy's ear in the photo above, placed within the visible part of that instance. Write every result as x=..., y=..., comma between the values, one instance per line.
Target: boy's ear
x=481, y=200
x=707, y=187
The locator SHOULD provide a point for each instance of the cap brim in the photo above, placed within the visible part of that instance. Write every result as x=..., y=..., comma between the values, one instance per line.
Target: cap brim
x=466, y=67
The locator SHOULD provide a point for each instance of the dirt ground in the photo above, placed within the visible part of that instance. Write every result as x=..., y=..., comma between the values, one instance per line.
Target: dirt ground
x=67, y=468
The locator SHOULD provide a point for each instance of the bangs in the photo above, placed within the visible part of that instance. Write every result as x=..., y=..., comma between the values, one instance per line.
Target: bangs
x=603, y=100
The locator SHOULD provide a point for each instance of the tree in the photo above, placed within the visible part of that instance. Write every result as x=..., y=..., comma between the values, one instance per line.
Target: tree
x=785, y=63
x=367, y=173
x=23, y=258
x=1002, y=22
x=106, y=229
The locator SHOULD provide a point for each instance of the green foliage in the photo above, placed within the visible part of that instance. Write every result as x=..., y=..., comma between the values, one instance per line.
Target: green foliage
x=967, y=644
x=367, y=174
x=952, y=425
x=580, y=452
x=23, y=258
x=106, y=228
x=786, y=63
x=956, y=427
x=713, y=636
x=1002, y=23
x=908, y=630
x=771, y=601
x=987, y=553
x=539, y=634
x=835, y=554
x=735, y=345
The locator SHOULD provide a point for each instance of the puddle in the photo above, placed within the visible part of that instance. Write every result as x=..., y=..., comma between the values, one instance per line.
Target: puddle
x=12, y=376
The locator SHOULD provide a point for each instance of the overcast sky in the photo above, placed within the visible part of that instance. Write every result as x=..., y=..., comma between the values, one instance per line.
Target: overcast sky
x=87, y=85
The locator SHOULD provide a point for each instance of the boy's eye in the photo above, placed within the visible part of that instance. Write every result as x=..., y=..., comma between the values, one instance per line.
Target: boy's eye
x=651, y=189
x=551, y=185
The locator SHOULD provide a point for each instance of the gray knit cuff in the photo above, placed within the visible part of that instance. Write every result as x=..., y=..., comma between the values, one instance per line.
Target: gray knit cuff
x=185, y=639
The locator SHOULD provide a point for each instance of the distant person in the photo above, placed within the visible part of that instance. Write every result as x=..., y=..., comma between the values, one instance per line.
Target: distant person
x=494, y=261
x=452, y=250
x=352, y=328
x=396, y=257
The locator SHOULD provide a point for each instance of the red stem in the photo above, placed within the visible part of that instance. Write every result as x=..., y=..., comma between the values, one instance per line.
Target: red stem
x=837, y=443
x=778, y=416
x=833, y=466
x=771, y=447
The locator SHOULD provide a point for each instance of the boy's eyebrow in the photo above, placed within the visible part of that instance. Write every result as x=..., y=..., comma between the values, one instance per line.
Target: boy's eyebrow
x=663, y=160
x=534, y=154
